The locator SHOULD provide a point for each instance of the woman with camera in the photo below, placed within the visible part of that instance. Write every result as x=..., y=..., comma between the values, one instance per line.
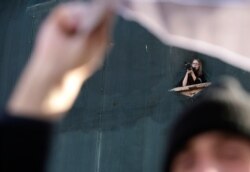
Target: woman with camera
x=194, y=74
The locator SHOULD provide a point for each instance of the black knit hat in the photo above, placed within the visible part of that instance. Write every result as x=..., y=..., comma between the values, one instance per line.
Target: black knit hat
x=223, y=107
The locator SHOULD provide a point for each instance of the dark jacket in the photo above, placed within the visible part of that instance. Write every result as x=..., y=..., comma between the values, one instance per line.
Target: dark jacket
x=199, y=79
x=24, y=144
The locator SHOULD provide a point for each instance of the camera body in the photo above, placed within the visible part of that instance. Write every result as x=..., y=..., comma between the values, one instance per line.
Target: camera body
x=188, y=66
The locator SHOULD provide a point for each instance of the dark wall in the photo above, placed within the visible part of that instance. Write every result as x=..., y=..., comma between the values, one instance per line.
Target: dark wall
x=119, y=121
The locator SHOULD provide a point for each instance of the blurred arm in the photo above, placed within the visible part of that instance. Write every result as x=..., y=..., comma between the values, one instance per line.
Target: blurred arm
x=65, y=55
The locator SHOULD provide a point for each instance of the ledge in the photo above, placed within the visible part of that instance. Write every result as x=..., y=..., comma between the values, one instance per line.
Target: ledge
x=191, y=90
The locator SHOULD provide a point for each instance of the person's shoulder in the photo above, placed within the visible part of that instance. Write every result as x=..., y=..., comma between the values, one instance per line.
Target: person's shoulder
x=204, y=77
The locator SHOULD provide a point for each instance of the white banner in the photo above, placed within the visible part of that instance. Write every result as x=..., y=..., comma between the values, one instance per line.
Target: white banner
x=218, y=28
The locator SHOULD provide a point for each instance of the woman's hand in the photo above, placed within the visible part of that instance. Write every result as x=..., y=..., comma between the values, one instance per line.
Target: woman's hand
x=193, y=75
x=66, y=53
x=189, y=71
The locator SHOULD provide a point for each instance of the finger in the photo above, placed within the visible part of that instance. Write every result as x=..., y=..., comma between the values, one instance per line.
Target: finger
x=81, y=16
x=67, y=17
x=97, y=42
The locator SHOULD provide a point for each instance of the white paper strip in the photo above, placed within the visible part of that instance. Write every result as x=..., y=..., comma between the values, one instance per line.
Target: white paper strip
x=218, y=28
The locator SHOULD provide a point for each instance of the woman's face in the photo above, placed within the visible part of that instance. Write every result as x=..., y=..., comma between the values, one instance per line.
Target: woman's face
x=195, y=65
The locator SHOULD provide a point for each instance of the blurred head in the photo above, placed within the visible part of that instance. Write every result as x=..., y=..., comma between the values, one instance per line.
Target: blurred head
x=214, y=152
x=197, y=66
x=214, y=134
